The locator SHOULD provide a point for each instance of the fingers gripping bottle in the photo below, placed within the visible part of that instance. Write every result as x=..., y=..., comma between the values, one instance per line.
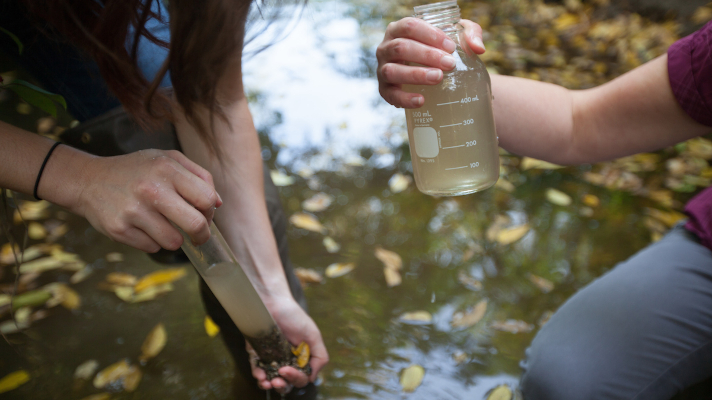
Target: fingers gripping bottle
x=453, y=142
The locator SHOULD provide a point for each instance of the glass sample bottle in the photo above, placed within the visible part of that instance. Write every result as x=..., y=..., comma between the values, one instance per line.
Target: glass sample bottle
x=453, y=142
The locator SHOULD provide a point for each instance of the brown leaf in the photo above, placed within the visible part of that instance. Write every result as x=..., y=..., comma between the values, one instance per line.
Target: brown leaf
x=308, y=222
x=318, y=202
x=32, y=211
x=154, y=343
x=471, y=317
x=389, y=258
x=110, y=374
x=339, y=269
x=416, y=317
x=98, y=396
x=121, y=279
x=469, y=282
x=512, y=326
x=132, y=378
x=543, y=284
x=669, y=218
x=308, y=276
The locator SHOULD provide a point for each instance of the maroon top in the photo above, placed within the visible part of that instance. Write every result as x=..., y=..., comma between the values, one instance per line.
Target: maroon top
x=690, y=72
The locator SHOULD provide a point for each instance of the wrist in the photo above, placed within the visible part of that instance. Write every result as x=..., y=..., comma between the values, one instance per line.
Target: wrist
x=65, y=177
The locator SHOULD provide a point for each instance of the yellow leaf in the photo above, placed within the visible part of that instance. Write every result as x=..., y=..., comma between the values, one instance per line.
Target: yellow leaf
x=36, y=231
x=544, y=284
x=471, y=317
x=151, y=293
x=32, y=211
x=86, y=369
x=308, y=276
x=114, y=257
x=318, y=202
x=81, y=275
x=303, y=353
x=31, y=253
x=416, y=317
x=132, y=378
x=58, y=254
x=399, y=182
x=307, y=221
x=591, y=200
x=669, y=218
x=505, y=185
x=389, y=258
x=159, y=278
x=5, y=299
x=154, y=343
x=64, y=295
x=532, y=163
x=331, y=245
x=57, y=233
x=558, y=197
x=111, y=374
x=393, y=277
x=511, y=235
x=121, y=279
x=501, y=392
x=98, y=396
x=125, y=293
x=211, y=327
x=13, y=380
x=281, y=179
x=512, y=326
x=702, y=15
x=411, y=378
x=41, y=265
x=339, y=269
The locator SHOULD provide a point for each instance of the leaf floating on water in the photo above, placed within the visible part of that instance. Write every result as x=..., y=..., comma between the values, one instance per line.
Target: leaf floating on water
x=36, y=231
x=86, y=369
x=151, y=293
x=308, y=276
x=393, y=277
x=558, y=197
x=471, y=317
x=60, y=255
x=81, y=275
x=98, y=396
x=512, y=326
x=32, y=211
x=700, y=148
x=591, y=200
x=280, y=178
x=416, y=318
x=14, y=380
x=412, y=377
x=154, y=343
x=389, y=258
x=41, y=265
x=669, y=218
x=543, y=284
x=121, y=279
x=132, y=378
x=701, y=15
x=125, y=293
x=331, y=245
x=114, y=257
x=307, y=221
x=469, y=282
x=501, y=392
x=111, y=374
x=505, y=185
x=459, y=357
x=160, y=277
x=339, y=269
x=532, y=163
x=32, y=298
x=511, y=235
x=318, y=202
x=211, y=328
x=303, y=353
x=57, y=232
x=5, y=299
x=399, y=182
x=499, y=223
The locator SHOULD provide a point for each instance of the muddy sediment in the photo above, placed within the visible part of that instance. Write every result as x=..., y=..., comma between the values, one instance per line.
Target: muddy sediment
x=275, y=352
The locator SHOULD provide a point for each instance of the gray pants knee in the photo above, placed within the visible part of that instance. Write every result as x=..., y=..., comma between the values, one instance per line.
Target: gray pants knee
x=642, y=331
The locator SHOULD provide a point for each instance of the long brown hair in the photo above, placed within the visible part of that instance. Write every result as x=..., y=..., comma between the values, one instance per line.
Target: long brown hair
x=205, y=35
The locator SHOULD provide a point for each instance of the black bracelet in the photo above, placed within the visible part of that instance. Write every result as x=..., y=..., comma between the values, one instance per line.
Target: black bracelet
x=39, y=175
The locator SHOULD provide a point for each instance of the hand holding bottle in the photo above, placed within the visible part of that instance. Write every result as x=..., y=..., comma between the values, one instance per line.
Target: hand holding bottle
x=412, y=40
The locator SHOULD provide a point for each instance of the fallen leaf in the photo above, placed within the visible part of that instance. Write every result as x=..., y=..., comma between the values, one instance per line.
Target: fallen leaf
x=339, y=269
x=160, y=277
x=114, y=257
x=318, y=202
x=111, y=374
x=543, y=284
x=416, y=318
x=302, y=352
x=14, y=380
x=41, y=265
x=501, y=392
x=131, y=378
x=591, y=200
x=669, y=218
x=32, y=298
x=60, y=255
x=411, y=378
x=331, y=245
x=308, y=222
x=5, y=299
x=558, y=197
x=512, y=326
x=121, y=279
x=511, y=235
x=22, y=316
x=500, y=222
x=389, y=258
x=81, y=275
x=86, y=369
x=469, y=282
x=36, y=231
x=532, y=163
x=32, y=211
x=98, y=396
x=125, y=293
x=154, y=343
x=505, y=185
x=393, y=277
x=151, y=293
x=399, y=182
x=57, y=232
x=211, y=328
x=471, y=317
x=64, y=295
x=30, y=253
x=281, y=179
x=308, y=276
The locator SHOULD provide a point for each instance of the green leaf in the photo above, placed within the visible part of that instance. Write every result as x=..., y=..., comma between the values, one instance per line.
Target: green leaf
x=55, y=97
x=20, y=47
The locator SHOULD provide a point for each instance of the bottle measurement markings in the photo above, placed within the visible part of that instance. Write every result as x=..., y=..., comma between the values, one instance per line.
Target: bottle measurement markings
x=472, y=165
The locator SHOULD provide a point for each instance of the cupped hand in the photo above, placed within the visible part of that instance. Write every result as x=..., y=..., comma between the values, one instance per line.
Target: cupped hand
x=134, y=198
x=412, y=40
x=297, y=327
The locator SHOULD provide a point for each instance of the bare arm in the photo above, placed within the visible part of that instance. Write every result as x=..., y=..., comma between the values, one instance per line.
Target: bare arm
x=634, y=113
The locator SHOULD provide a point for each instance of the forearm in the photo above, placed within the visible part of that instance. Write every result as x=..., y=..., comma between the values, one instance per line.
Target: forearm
x=22, y=154
x=238, y=177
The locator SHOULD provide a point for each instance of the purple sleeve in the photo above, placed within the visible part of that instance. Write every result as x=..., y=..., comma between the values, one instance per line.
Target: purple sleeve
x=690, y=72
